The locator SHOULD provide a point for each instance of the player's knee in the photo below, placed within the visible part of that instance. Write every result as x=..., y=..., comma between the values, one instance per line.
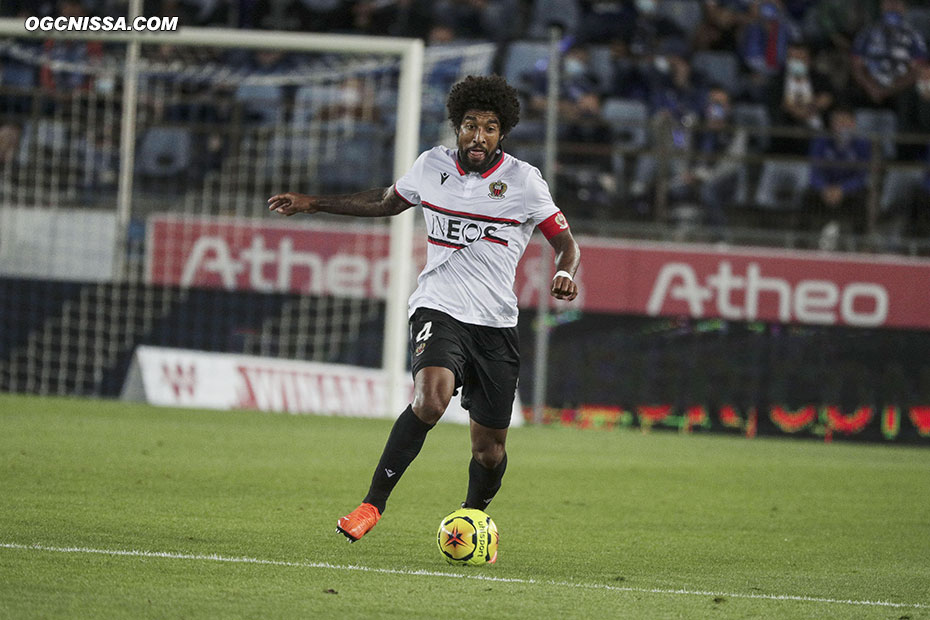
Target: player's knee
x=429, y=407
x=488, y=454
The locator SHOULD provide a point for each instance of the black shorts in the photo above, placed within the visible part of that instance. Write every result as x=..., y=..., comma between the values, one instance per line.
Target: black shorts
x=484, y=360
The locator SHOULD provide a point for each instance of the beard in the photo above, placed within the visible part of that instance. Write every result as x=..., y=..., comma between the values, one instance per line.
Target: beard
x=475, y=165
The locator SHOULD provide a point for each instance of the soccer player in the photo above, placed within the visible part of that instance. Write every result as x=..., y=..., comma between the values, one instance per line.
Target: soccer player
x=481, y=206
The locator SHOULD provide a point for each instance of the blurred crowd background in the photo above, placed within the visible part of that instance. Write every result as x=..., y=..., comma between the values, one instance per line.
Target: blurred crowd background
x=789, y=122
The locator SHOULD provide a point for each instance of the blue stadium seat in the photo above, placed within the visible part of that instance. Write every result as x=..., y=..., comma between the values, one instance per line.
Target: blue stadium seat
x=898, y=185
x=687, y=14
x=567, y=13
x=521, y=58
x=882, y=123
x=721, y=69
x=753, y=116
x=262, y=104
x=42, y=139
x=782, y=184
x=629, y=120
x=164, y=152
x=309, y=100
x=603, y=66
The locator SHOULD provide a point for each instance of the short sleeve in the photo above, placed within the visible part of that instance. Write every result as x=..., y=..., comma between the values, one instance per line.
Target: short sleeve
x=541, y=210
x=408, y=186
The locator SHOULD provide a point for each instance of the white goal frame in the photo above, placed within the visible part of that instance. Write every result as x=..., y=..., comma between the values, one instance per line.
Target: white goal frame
x=406, y=142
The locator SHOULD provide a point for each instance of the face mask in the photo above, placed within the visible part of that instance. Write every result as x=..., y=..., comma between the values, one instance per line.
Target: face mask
x=646, y=6
x=716, y=112
x=768, y=11
x=893, y=18
x=844, y=136
x=574, y=67
x=661, y=64
x=105, y=84
x=796, y=67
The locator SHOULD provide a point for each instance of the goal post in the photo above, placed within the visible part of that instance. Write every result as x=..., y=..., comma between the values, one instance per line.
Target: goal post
x=410, y=53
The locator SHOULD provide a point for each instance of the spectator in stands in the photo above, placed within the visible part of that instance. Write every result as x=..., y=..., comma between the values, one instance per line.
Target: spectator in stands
x=704, y=167
x=404, y=18
x=673, y=85
x=723, y=21
x=479, y=19
x=916, y=103
x=836, y=198
x=718, y=151
x=837, y=22
x=763, y=45
x=62, y=80
x=578, y=79
x=324, y=15
x=606, y=22
x=650, y=28
x=797, y=98
x=886, y=56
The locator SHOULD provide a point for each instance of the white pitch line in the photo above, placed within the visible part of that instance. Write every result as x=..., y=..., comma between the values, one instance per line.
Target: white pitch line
x=428, y=573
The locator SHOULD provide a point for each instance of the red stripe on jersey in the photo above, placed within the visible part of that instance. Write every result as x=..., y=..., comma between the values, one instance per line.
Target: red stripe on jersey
x=495, y=240
x=412, y=204
x=553, y=225
x=472, y=216
x=491, y=170
x=484, y=174
x=444, y=244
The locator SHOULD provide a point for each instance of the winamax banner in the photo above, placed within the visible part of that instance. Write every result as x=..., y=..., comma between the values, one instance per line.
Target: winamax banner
x=182, y=378
x=796, y=287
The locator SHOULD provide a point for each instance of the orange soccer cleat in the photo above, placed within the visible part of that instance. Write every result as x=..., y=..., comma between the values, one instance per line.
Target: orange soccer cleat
x=357, y=523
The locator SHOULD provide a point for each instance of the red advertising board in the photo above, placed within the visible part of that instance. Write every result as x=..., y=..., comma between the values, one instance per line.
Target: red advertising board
x=624, y=277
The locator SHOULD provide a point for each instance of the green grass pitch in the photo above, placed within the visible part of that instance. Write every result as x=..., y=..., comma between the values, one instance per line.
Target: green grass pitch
x=115, y=510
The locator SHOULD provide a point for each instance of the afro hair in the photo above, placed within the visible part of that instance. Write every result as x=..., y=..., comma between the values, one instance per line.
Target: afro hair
x=488, y=93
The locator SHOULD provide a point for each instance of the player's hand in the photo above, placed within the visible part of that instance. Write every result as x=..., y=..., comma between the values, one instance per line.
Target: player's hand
x=290, y=203
x=564, y=288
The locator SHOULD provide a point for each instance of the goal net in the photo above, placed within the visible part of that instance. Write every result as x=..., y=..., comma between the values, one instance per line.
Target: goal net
x=191, y=258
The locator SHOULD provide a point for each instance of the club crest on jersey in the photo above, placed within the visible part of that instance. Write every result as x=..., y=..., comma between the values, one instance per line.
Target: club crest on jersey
x=497, y=190
x=420, y=348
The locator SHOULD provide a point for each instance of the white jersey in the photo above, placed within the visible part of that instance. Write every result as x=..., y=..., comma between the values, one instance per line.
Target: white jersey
x=478, y=226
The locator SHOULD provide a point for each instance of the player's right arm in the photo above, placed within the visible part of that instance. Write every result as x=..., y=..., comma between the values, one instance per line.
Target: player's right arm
x=377, y=202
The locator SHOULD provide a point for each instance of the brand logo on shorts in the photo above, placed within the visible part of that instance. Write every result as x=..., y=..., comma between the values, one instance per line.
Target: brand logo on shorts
x=497, y=190
x=420, y=348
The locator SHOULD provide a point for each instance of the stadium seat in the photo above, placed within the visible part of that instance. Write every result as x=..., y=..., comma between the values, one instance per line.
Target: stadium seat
x=164, y=152
x=920, y=19
x=782, y=184
x=687, y=14
x=629, y=121
x=42, y=139
x=753, y=116
x=567, y=13
x=721, y=68
x=261, y=103
x=882, y=123
x=521, y=58
x=898, y=185
x=603, y=66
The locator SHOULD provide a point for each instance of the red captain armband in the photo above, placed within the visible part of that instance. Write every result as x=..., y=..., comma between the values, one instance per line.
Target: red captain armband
x=553, y=225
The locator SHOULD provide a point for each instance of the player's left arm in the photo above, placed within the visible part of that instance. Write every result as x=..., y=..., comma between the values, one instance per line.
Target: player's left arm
x=567, y=258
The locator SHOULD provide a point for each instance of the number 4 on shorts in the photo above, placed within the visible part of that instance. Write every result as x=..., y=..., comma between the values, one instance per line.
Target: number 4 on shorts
x=425, y=333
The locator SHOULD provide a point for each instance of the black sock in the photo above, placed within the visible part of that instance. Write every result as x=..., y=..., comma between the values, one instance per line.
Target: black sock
x=402, y=447
x=483, y=483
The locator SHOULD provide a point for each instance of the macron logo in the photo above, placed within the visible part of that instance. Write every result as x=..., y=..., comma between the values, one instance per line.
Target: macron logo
x=443, y=176
x=390, y=472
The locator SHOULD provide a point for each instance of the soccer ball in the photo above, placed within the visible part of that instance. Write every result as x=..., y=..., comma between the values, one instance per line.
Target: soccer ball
x=468, y=537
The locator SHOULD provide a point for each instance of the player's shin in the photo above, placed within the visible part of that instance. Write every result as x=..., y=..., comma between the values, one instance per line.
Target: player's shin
x=483, y=483
x=403, y=445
